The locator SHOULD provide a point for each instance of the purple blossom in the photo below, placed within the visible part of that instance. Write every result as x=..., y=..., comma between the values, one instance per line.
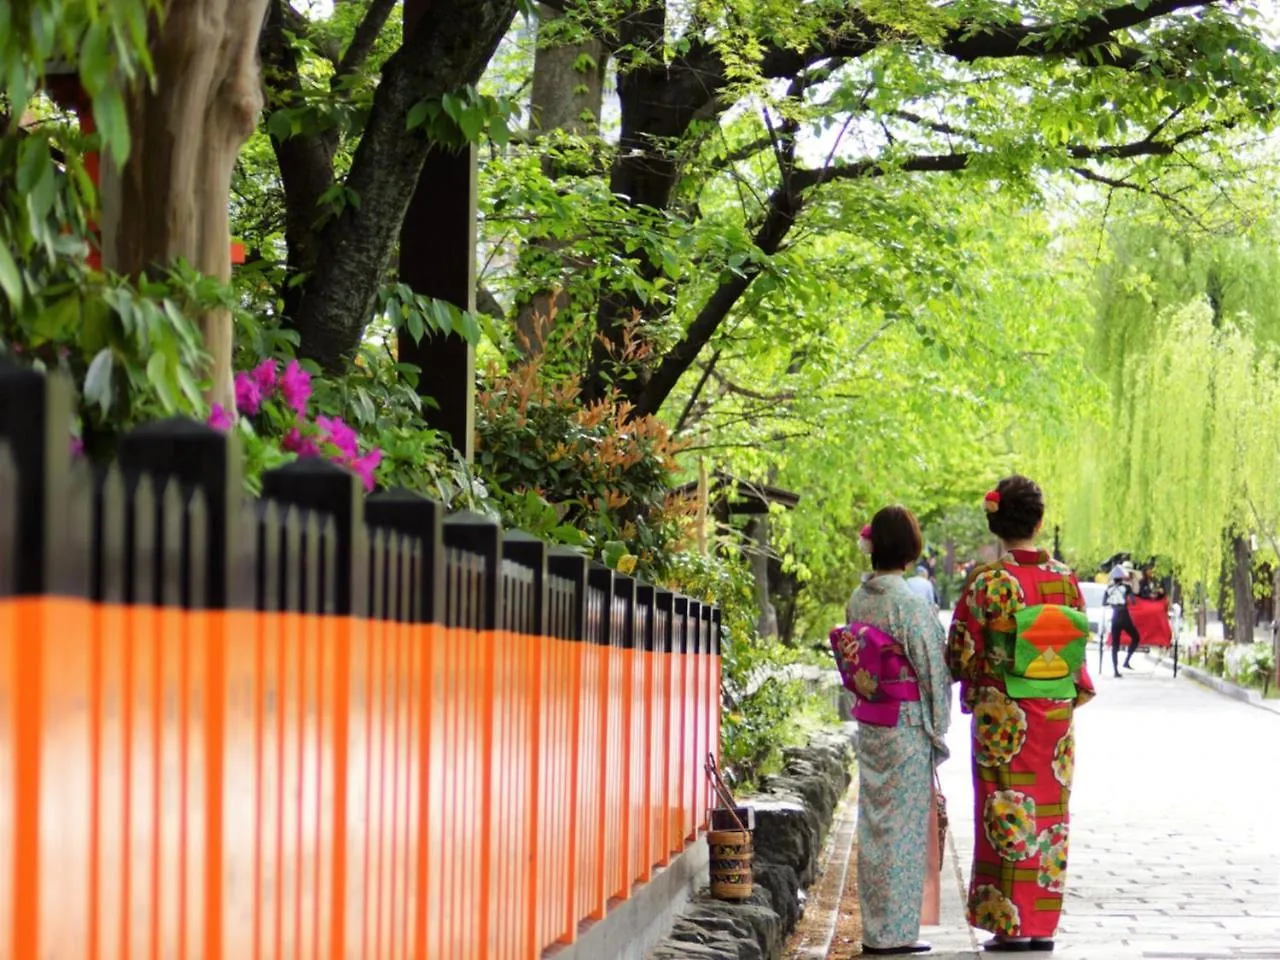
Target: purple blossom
x=264, y=375
x=77, y=447
x=248, y=394
x=295, y=387
x=220, y=419
x=295, y=441
x=365, y=466
x=340, y=435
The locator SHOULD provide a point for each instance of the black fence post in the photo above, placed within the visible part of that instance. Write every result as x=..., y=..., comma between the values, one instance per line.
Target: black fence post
x=414, y=515
x=197, y=457
x=476, y=534
x=528, y=551
x=569, y=564
x=600, y=578
x=35, y=417
x=311, y=483
x=646, y=614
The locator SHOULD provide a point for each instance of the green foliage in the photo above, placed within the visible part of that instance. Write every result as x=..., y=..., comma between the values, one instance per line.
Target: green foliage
x=760, y=701
x=1186, y=453
x=596, y=476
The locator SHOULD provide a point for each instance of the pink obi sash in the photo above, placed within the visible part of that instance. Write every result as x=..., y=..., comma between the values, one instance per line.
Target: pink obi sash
x=875, y=669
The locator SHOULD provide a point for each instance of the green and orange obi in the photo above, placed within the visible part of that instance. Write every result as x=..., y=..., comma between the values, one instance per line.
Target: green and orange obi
x=1017, y=646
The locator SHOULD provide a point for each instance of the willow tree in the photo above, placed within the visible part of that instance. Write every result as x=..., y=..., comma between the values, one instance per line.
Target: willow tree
x=1181, y=462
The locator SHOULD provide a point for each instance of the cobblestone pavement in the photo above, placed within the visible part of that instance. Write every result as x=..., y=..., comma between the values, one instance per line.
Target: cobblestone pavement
x=1175, y=827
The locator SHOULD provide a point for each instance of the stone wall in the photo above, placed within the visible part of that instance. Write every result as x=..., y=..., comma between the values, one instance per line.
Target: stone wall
x=793, y=815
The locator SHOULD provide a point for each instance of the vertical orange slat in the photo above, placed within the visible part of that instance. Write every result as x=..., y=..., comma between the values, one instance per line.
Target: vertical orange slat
x=137, y=627
x=341, y=733
x=184, y=729
x=379, y=836
x=28, y=642
x=692, y=769
x=644, y=681
x=597, y=800
x=536, y=653
x=424, y=639
x=322, y=848
x=660, y=854
x=484, y=917
x=280, y=689
x=372, y=630
x=301, y=856
x=576, y=709
x=451, y=694
x=96, y=641
x=215, y=684
x=395, y=842
x=675, y=835
x=626, y=731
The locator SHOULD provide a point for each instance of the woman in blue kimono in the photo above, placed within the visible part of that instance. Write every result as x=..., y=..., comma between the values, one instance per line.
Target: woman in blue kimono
x=892, y=657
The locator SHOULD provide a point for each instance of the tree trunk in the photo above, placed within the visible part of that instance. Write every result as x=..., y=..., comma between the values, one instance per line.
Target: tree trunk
x=170, y=201
x=449, y=48
x=758, y=559
x=568, y=95
x=1242, y=588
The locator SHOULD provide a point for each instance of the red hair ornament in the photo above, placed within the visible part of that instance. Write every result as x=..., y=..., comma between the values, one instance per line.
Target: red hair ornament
x=991, y=502
x=864, y=539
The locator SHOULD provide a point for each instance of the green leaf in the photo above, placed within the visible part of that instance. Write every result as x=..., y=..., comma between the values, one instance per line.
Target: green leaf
x=97, y=381
x=417, y=115
x=158, y=377
x=113, y=123
x=10, y=277
x=613, y=551
x=279, y=125
x=471, y=122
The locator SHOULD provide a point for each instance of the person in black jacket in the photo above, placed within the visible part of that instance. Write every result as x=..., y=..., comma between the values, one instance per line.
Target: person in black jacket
x=1117, y=597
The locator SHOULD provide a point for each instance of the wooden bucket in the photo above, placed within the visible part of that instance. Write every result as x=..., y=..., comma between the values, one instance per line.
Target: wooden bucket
x=730, y=843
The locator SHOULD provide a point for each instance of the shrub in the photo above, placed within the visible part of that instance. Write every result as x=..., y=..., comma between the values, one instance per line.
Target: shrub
x=587, y=474
x=1215, y=657
x=1249, y=664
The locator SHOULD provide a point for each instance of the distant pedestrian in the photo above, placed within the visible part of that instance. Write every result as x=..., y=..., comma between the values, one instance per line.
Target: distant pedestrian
x=922, y=586
x=1117, y=596
x=1017, y=646
x=892, y=658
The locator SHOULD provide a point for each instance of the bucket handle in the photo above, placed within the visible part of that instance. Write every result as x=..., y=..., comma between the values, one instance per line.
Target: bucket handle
x=722, y=791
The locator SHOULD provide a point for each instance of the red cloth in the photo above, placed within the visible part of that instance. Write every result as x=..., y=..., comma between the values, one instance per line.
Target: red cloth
x=1151, y=618
x=1023, y=751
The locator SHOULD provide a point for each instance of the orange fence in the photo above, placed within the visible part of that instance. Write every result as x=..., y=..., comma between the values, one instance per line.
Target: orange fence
x=318, y=724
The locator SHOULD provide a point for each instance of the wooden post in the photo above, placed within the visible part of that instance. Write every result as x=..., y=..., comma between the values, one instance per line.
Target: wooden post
x=437, y=259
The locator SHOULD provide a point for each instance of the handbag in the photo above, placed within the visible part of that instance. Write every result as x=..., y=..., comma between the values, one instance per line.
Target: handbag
x=941, y=802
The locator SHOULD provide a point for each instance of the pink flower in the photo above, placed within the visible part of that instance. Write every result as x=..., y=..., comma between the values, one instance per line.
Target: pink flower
x=340, y=435
x=264, y=375
x=220, y=419
x=366, y=465
x=297, y=442
x=295, y=387
x=77, y=447
x=248, y=395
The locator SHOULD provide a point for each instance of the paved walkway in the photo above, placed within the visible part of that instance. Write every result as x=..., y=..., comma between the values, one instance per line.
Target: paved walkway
x=1175, y=827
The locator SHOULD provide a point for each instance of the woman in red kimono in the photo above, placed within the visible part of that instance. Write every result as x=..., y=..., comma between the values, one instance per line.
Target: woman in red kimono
x=1017, y=645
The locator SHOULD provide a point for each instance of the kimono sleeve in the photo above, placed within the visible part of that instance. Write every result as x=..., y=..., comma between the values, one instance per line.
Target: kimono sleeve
x=963, y=639
x=1084, y=683
x=926, y=645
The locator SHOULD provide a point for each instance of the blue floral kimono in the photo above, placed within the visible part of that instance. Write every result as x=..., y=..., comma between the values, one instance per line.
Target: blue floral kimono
x=895, y=770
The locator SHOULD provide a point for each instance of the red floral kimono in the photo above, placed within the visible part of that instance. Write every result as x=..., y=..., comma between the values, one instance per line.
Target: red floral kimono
x=1022, y=748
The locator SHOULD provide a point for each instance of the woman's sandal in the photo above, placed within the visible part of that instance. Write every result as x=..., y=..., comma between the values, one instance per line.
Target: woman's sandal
x=1001, y=945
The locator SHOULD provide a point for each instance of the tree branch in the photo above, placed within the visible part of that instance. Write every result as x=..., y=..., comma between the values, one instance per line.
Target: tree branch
x=1116, y=183
x=363, y=40
x=449, y=48
x=785, y=204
